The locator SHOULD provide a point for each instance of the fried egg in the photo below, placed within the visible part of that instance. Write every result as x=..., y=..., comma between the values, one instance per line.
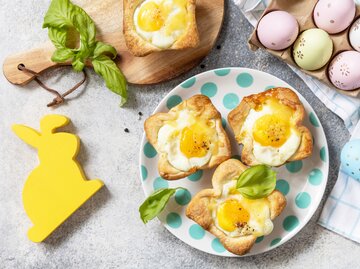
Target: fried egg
x=188, y=141
x=275, y=138
x=161, y=22
x=237, y=216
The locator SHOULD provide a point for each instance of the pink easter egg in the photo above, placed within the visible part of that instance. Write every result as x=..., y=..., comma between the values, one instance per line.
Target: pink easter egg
x=344, y=70
x=277, y=30
x=334, y=16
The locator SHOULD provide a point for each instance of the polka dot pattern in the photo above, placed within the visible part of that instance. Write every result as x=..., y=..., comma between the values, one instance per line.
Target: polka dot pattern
x=196, y=232
x=222, y=72
x=209, y=89
x=244, y=80
x=223, y=122
x=189, y=83
x=275, y=242
x=323, y=154
x=226, y=87
x=144, y=172
x=149, y=150
x=173, y=101
x=217, y=246
x=173, y=220
x=290, y=223
x=315, y=177
x=259, y=239
x=159, y=183
x=182, y=196
x=269, y=87
x=283, y=186
x=294, y=167
x=196, y=176
x=303, y=200
x=313, y=120
x=231, y=100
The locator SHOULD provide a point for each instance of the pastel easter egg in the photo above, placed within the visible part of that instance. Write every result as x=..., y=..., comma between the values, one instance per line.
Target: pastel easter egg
x=350, y=159
x=354, y=35
x=344, y=70
x=277, y=30
x=313, y=49
x=334, y=16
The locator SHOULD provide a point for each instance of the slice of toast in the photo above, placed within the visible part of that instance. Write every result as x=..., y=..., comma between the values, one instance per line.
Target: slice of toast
x=237, y=117
x=199, y=209
x=138, y=46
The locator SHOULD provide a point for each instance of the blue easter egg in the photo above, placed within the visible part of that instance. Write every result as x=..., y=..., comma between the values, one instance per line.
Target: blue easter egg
x=350, y=159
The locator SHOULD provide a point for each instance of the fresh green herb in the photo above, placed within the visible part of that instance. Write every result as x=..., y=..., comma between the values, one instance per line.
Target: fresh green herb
x=256, y=182
x=61, y=19
x=155, y=203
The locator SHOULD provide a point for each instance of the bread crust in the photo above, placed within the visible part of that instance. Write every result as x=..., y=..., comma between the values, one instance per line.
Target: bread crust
x=237, y=117
x=202, y=107
x=140, y=47
x=199, y=210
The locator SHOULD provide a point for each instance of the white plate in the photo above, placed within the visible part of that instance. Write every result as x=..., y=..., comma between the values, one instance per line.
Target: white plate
x=302, y=182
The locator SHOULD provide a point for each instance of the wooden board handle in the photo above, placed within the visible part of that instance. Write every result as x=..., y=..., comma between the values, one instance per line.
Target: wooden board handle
x=38, y=60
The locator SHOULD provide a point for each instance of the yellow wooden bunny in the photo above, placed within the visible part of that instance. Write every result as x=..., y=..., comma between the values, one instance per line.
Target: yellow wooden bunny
x=58, y=186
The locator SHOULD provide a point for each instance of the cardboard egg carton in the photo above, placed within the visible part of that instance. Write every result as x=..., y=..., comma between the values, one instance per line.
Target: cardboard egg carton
x=302, y=10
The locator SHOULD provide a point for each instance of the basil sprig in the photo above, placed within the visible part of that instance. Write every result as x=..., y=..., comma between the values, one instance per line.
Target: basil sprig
x=256, y=182
x=61, y=19
x=155, y=203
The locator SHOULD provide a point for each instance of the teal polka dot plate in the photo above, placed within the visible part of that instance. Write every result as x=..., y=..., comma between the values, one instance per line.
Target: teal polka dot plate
x=302, y=182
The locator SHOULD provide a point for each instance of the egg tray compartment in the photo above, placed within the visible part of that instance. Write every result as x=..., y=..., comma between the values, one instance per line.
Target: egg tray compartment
x=302, y=10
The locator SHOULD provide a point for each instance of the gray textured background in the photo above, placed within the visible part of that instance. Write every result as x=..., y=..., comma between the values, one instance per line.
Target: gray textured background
x=107, y=232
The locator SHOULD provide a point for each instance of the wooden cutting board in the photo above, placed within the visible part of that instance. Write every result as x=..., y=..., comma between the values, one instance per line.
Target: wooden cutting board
x=150, y=69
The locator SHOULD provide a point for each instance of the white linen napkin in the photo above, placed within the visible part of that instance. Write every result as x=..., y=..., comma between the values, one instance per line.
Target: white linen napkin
x=347, y=108
x=341, y=212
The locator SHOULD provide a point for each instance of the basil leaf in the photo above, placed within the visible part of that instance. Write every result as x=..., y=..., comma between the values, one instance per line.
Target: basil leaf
x=58, y=37
x=256, y=182
x=104, y=49
x=85, y=26
x=60, y=14
x=112, y=75
x=78, y=63
x=155, y=204
x=62, y=55
x=62, y=18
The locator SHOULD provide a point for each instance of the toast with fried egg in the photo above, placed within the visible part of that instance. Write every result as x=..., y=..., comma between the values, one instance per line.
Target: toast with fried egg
x=232, y=218
x=269, y=126
x=157, y=25
x=188, y=138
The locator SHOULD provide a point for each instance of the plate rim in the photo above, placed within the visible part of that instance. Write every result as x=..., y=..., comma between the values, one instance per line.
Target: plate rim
x=326, y=177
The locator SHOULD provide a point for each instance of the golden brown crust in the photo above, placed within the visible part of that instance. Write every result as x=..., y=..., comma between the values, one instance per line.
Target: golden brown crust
x=237, y=117
x=199, y=211
x=140, y=47
x=201, y=107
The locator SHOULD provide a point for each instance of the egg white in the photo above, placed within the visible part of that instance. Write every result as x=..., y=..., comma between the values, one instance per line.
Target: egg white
x=159, y=38
x=259, y=223
x=170, y=144
x=273, y=156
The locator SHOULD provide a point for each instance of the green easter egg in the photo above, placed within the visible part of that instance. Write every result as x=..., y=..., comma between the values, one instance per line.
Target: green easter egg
x=313, y=49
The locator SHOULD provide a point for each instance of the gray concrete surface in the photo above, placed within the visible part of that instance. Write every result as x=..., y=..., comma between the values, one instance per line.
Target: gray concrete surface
x=107, y=232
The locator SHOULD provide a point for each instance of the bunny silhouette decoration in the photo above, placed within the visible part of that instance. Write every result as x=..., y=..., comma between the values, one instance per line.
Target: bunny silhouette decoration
x=57, y=187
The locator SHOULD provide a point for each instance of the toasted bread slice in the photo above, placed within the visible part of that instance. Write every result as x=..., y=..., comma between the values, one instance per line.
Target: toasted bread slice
x=237, y=117
x=199, y=209
x=202, y=108
x=138, y=46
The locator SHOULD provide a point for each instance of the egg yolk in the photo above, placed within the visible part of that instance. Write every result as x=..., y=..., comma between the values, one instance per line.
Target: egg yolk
x=153, y=16
x=275, y=128
x=270, y=130
x=150, y=17
x=194, y=141
x=231, y=215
